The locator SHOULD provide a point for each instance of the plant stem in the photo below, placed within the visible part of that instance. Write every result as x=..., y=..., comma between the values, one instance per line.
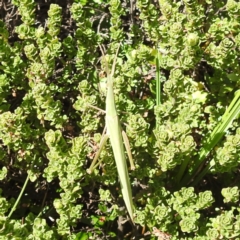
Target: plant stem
x=19, y=197
x=158, y=80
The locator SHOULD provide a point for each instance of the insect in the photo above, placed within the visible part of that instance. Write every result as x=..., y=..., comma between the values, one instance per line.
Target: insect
x=117, y=137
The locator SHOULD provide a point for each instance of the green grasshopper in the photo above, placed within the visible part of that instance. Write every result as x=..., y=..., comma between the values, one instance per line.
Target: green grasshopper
x=117, y=136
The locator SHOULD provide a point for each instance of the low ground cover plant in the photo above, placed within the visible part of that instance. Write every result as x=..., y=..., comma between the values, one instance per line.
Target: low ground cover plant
x=176, y=90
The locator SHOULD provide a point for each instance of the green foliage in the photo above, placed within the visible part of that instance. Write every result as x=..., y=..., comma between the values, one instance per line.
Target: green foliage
x=227, y=156
x=230, y=194
x=226, y=225
x=50, y=72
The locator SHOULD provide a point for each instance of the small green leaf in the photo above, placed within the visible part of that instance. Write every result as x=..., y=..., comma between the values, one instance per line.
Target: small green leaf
x=82, y=236
x=3, y=173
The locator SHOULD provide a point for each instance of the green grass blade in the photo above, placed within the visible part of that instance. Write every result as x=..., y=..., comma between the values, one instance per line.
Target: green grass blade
x=158, y=80
x=231, y=113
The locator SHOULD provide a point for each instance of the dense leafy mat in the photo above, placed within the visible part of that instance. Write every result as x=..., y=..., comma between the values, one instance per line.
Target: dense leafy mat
x=176, y=87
